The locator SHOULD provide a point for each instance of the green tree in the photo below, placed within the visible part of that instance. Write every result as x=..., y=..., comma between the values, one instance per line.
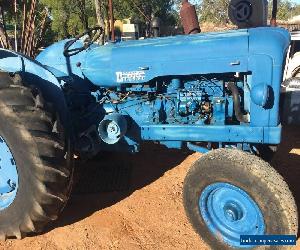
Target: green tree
x=285, y=8
x=71, y=17
x=142, y=12
x=215, y=11
x=22, y=30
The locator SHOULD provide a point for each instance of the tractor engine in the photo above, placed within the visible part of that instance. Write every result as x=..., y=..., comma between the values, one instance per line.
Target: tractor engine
x=202, y=100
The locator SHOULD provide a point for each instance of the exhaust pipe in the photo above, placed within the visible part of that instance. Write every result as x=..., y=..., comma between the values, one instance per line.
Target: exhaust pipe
x=237, y=104
x=189, y=18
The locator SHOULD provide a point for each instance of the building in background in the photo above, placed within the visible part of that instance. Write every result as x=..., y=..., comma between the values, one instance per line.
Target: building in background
x=130, y=32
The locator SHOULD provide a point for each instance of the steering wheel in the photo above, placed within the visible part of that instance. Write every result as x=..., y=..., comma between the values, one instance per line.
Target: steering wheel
x=72, y=52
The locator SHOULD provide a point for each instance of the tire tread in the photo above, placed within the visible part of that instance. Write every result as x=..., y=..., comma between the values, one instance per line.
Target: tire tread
x=48, y=200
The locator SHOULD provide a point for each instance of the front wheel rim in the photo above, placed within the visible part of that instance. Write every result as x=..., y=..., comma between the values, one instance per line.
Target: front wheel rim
x=229, y=212
x=9, y=179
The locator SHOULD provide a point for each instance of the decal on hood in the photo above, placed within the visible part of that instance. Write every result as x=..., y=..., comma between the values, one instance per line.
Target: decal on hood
x=130, y=76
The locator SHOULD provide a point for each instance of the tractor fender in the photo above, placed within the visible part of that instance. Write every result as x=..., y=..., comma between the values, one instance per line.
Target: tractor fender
x=35, y=74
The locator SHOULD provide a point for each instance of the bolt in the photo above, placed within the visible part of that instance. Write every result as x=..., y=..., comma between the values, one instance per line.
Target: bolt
x=12, y=161
x=232, y=212
x=231, y=215
x=11, y=184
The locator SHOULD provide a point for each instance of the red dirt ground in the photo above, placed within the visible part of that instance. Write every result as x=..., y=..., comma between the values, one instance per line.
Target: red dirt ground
x=149, y=214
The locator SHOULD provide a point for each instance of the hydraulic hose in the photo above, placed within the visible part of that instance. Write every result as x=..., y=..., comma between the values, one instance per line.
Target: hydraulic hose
x=237, y=104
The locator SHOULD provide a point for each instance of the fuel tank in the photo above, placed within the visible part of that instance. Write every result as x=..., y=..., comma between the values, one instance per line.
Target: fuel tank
x=138, y=62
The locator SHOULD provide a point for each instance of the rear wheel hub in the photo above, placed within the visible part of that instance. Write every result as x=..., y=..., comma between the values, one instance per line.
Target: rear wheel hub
x=8, y=176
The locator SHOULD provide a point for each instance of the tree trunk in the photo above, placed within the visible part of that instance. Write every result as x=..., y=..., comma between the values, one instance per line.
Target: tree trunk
x=3, y=34
x=82, y=14
x=100, y=18
x=108, y=21
x=99, y=13
x=24, y=23
x=41, y=32
x=29, y=28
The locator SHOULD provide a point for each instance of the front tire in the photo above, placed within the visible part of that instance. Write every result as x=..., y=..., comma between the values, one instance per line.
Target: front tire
x=228, y=193
x=41, y=157
x=294, y=66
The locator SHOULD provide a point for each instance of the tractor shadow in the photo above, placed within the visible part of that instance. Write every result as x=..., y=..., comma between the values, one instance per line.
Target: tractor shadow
x=112, y=177
x=287, y=160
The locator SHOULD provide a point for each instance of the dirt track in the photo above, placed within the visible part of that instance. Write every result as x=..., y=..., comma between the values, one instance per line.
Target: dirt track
x=146, y=212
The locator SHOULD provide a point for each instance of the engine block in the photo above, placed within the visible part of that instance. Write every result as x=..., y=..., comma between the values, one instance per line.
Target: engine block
x=176, y=101
x=200, y=100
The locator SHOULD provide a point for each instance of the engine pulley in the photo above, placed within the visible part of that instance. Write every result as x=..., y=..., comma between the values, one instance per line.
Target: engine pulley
x=112, y=128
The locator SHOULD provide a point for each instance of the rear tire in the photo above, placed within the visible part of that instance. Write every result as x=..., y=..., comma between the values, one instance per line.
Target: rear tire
x=43, y=160
x=241, y=173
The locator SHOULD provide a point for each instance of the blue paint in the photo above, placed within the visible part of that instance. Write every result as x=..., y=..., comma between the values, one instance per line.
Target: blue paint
x=200, y=133
x=172, y=90
x=260, y=94
x=9, y=181
x=171, y=56
x=53, y=57
x=230, y=212
x=197, y=148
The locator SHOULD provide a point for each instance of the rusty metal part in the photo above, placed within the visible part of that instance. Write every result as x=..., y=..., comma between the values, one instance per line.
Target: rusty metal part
x=237, y=103
x=189, y=18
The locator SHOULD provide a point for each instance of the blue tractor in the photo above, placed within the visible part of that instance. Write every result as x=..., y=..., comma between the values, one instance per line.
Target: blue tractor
x=215, y=93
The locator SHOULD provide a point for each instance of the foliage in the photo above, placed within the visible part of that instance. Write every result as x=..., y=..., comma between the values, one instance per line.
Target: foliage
x=68, y=16
x=143, y=11
x=286, y=9
x=214, y=11
x=71, y=17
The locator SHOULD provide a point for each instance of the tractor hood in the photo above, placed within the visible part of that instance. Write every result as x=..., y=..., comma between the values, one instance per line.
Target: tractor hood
x=141, y=61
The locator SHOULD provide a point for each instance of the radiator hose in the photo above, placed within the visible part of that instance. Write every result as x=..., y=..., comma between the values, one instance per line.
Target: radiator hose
x=237, y=104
